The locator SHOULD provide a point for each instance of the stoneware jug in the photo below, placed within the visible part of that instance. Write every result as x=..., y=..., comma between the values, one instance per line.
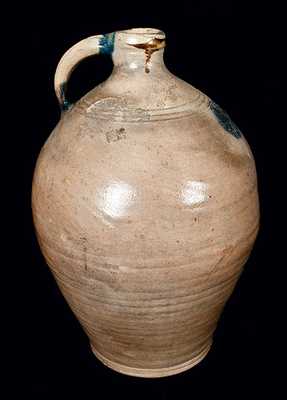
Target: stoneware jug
x=145, y=206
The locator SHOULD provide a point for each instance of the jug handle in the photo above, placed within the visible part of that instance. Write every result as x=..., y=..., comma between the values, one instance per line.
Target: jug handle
x=99, y=44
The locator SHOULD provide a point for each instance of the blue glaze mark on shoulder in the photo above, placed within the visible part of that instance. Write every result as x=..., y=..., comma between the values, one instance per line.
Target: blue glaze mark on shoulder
x=107, y=42
x=224, y=120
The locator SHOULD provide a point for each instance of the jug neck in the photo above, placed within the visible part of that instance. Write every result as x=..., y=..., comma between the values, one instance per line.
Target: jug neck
x=139, y=50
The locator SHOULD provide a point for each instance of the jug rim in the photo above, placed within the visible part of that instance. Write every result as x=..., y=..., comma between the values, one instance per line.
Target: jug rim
x=144, y=32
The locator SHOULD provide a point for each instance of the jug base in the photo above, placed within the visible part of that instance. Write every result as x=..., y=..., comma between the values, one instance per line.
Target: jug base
x=155, y=372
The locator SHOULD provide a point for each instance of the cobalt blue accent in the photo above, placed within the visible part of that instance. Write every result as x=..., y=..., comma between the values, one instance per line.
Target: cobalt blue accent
x=107, y=42
x=224, y=120
x=64, y=104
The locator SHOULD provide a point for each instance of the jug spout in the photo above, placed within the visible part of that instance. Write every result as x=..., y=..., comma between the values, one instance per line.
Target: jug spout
x=139, y=49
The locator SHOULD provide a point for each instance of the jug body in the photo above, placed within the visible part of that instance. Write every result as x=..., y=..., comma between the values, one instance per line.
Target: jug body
x=146, y=208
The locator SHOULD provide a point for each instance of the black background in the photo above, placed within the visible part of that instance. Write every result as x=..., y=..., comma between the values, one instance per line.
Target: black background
x=230, y=52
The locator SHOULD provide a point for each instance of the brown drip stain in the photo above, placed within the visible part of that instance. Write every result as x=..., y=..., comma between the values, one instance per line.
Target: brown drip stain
x=149, y=48
x=84, y=244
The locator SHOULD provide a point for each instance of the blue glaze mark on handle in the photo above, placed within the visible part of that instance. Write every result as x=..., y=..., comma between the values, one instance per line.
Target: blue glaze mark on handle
x=64, y=104
x=107, y=42
x=224, y=120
